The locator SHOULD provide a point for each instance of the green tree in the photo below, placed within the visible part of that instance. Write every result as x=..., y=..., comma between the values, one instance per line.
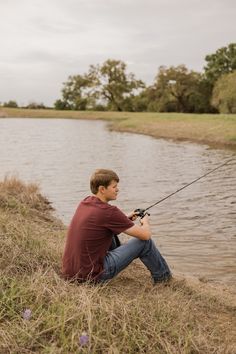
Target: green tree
x=141, y=101
x=10, y=104
x=221, y=62
x=61, y=105
x=114, y=85
x=224, y=93
x=77, y=93
x=202, y=97
x=176, y=89
x=35, y=105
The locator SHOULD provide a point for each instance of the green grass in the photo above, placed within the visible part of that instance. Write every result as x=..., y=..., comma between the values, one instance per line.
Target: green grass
x=127, y=315
x=218, y=130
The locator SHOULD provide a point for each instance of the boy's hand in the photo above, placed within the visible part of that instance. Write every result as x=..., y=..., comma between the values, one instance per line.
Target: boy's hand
x=144, y=220
x=132, y=216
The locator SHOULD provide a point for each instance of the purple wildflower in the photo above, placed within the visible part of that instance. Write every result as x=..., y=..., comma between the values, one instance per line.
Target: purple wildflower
x=27, y=314
x=83, y=339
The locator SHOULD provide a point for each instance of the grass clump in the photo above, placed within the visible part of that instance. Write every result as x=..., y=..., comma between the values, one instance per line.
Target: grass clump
x=127, y=315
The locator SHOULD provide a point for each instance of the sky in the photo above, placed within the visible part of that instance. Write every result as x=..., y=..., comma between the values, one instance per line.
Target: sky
x=42, y=42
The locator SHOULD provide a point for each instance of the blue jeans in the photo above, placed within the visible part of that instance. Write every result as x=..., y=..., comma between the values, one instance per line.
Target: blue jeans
x=119, y=258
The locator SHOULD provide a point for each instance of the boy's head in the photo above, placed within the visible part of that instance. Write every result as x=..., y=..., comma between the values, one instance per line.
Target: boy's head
x=102, y=177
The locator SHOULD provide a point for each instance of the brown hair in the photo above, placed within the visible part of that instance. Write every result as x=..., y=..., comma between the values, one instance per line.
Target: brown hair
x=102, y=177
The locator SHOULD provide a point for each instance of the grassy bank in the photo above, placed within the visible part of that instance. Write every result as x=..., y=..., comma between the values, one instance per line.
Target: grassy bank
x=217, y=130
x=128, y=315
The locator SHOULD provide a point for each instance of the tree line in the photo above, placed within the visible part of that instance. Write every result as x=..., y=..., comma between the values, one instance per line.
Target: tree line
x=175, y=89
x=109, y=87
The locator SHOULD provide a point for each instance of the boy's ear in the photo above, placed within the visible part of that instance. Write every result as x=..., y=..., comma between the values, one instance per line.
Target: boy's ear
x=101, y=189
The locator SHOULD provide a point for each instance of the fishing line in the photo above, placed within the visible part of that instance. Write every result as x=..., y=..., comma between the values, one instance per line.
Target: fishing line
x=142, y=212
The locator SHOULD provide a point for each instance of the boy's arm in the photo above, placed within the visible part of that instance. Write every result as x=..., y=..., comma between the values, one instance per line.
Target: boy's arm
x=143, y=231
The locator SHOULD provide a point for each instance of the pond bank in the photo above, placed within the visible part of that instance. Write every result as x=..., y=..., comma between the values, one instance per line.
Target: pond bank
x=216, y=130
x=128, y=315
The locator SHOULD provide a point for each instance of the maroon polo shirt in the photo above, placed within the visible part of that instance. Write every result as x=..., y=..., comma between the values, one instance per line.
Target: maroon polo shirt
x=89, y=238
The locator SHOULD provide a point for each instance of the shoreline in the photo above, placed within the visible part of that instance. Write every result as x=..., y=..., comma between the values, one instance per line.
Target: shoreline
x=216, y=131
x=149, y=132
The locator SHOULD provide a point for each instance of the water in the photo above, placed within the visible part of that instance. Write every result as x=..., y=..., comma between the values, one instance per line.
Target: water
x=195, y=229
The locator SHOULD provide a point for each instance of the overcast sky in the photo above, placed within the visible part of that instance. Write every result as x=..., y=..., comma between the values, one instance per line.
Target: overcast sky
x=42, y=42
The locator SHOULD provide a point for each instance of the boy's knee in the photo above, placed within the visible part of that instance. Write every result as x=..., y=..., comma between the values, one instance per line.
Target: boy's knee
x=149, y=242
x=143, y=245
x=147, y=245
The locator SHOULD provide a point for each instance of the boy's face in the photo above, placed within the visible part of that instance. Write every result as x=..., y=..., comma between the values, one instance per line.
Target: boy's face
x=111, y=192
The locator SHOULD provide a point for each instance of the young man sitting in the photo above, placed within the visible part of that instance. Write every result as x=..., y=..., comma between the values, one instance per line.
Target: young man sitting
x=90, y=254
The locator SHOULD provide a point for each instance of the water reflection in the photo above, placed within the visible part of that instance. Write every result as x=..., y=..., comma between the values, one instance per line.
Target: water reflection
x=195, y=229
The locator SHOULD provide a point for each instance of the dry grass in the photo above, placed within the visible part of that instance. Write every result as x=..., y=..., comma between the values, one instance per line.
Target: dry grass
x=127, y=315
x=214, y=130
x=217, y=130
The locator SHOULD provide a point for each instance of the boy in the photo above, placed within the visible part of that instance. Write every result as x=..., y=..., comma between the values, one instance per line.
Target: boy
x=88, y=255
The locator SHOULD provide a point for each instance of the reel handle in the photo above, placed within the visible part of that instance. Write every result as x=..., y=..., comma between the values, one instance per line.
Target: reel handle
x=141, y=213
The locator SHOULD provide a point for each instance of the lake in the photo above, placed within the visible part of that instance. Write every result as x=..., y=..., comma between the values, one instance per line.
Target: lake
x=195, y=229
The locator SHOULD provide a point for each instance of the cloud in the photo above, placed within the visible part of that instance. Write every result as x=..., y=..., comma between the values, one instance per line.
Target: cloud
x=46, y=41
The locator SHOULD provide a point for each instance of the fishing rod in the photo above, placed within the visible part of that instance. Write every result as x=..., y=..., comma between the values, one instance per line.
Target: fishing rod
x=142, y=212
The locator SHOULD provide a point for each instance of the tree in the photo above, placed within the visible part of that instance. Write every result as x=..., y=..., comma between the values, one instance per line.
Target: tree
x=221, y=62
x=113, y=85
x=76, y=93
x=35, y=105
x=224, y=93
x=202, y=97
x=61, y=105
x=176, y=89
x=10, y=104
x=140, y=102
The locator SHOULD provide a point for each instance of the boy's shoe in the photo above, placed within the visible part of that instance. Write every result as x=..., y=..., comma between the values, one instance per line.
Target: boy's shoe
x=164, y=280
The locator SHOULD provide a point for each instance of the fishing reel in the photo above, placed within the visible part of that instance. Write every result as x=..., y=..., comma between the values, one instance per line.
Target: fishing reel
x=141, y=213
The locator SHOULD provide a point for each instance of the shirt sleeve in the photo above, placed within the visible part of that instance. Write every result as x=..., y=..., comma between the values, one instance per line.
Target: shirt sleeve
x=118, y=221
